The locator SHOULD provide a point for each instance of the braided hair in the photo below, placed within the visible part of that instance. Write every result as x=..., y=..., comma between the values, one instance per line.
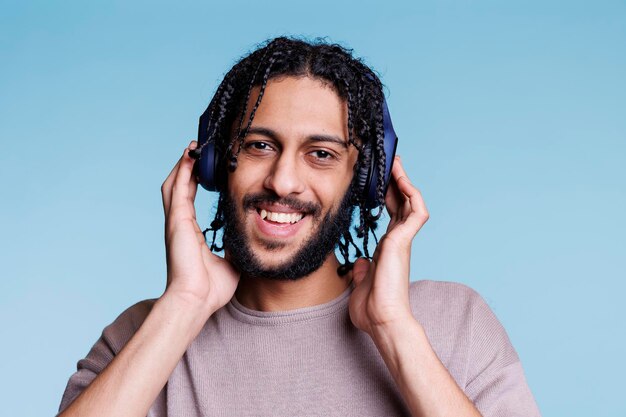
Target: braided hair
x=332, y=64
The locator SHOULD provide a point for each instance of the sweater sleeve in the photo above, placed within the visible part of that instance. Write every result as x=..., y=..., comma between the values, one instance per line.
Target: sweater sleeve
x=113, y=338
x=496, y=382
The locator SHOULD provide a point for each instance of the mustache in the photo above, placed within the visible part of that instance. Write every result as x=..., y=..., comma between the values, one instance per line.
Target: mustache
x=252, y=200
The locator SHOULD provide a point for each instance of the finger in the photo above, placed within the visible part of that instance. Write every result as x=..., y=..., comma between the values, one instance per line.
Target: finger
x=416, y=212
x=411, y=214
x=166, y=187
x=193, y=184
x=394, y=200
x=405, y=210
x=359, y=270
x=183, y=187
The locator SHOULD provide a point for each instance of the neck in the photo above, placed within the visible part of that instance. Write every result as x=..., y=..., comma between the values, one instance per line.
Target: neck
x=321, y=286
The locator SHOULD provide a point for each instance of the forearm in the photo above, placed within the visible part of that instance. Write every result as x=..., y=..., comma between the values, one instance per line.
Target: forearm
x=425, y=384
x=131, y=382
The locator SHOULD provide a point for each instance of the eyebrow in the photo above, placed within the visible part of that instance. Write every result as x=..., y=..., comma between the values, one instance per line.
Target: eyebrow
x=265, y=131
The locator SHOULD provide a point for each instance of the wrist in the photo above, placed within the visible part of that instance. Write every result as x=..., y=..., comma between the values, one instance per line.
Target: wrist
x=189, y=297
x=390, y=336
x=393, y=324
x=188, y=309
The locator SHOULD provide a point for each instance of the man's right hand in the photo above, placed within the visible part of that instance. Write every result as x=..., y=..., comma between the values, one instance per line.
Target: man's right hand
x=193, y=271
x=198, y=283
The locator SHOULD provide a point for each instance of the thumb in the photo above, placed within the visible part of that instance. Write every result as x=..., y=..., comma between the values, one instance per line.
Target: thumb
x=359, y=270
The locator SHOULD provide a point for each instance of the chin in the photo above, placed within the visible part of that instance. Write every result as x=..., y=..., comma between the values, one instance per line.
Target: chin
x=274, y=252
x=282, y=248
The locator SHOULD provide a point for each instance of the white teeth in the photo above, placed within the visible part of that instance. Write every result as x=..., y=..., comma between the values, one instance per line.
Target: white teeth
x=281, y=217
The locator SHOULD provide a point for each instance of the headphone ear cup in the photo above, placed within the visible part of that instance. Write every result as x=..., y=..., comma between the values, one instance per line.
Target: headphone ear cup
x=363, y=174
x=219, y=171
x=206, y=167
x=390, y=143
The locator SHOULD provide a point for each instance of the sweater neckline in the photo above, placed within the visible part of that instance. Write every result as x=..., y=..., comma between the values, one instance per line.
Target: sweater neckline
x=271, y=318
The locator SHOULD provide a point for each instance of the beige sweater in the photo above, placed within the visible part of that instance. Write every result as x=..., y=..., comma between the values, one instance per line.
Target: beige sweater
x=313, y=362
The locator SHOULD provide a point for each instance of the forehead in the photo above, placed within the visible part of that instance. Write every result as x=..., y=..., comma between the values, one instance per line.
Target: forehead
x=297, y=107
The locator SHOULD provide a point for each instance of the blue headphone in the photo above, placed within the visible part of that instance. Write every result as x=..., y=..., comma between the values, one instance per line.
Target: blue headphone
x=210, y=177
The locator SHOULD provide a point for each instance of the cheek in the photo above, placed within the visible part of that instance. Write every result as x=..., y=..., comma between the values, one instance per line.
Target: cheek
x=331, y=192
x=244, y=178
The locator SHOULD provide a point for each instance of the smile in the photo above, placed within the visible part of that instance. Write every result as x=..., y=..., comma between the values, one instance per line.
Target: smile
x=280, y=217
x=281, y=223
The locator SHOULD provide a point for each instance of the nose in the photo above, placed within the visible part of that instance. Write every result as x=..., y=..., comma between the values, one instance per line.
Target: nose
x=284, y=177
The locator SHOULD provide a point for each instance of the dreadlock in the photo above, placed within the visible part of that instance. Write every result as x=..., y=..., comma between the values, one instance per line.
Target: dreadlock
x=351, y=79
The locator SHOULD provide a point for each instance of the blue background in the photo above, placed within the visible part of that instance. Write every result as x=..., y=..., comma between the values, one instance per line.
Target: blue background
x=511, y=118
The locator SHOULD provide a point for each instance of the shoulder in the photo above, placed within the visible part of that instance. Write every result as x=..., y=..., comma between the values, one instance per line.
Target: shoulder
x=443, y=299
x=473, y=344
x=428, y=286
x=446, y=302
x=115, y=336
x=451, y=311
x=119, y=332
x=110, y=343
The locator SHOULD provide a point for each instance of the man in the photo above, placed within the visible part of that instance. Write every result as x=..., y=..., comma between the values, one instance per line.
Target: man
x=280, y=326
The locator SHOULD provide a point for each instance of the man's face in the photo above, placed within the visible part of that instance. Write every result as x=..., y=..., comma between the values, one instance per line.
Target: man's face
x=287, y=201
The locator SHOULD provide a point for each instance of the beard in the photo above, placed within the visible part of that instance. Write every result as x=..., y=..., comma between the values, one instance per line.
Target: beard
x=307, y=259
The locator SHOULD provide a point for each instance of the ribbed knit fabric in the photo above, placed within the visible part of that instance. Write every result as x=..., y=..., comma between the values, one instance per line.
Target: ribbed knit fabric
x=313, y=362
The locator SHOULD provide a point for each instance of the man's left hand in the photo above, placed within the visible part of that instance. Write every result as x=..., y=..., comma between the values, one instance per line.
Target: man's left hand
x=381, y=294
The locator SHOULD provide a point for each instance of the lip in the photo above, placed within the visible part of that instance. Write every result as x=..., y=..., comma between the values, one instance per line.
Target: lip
x=278, y=230
x=277, y=208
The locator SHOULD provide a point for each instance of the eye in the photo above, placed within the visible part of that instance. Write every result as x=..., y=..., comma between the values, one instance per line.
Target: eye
x=257, y=146
x=321, y=154
x=323, y=157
